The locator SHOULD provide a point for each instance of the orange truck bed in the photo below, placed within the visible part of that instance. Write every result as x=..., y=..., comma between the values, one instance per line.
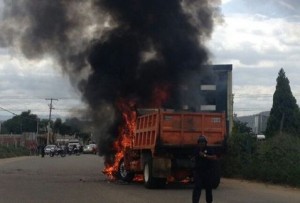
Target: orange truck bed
x=170, y=128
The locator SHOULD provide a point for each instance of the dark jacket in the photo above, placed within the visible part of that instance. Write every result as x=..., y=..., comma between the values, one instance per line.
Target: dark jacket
x=202, y=164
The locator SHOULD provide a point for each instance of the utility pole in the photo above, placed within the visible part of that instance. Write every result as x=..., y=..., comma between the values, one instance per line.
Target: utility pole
x=50, y=111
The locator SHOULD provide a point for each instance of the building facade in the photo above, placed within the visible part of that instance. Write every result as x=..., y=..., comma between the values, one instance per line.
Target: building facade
x=209, y=90
x=257, y=122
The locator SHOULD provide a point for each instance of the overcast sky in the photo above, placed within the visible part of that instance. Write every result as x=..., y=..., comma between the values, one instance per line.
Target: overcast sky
x=256, y=38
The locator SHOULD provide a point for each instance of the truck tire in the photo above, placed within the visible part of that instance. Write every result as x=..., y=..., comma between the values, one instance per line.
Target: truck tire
x=123, y=174
x=149, y=181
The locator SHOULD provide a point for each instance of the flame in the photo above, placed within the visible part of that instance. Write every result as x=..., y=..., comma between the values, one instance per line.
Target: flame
x=181, y=177
x=138, y=178
x=187, y=180
x=123, y=141
x=126, y=129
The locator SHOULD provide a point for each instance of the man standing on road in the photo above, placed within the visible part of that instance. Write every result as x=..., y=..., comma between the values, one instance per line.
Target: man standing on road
x=203, y=170
x=42, y=150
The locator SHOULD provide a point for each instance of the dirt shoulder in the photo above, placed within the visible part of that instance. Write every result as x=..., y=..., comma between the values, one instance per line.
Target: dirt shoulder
x=13, y=159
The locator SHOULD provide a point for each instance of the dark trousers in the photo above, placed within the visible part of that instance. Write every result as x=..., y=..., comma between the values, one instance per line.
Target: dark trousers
x=202, y=182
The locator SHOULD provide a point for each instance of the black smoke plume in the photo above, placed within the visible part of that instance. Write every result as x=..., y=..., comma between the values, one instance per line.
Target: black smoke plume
x=113, y=49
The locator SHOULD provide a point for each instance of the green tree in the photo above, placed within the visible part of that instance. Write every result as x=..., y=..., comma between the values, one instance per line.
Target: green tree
x=240, y=146
x=75, y=126
x=284, y=115
x=241, y=127
x=26, y=122
x=82, y=129
x=57, y=125
x=62, y=127
x=43, y=123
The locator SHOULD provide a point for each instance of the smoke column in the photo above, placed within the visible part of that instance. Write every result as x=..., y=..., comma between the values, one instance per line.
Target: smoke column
x=114, y=49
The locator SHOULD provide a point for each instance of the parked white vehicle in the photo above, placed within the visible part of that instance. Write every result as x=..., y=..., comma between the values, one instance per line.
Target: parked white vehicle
x=50, y=148
x=260, y=137
x=74, y=148
x=90, y=149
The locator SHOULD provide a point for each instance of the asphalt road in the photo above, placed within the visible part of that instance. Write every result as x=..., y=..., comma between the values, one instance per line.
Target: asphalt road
x=79, y=179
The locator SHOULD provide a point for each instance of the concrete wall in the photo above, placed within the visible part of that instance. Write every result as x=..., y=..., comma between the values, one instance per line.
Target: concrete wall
x=28, y=140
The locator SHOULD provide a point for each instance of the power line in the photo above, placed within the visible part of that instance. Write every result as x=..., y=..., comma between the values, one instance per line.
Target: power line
x=247, y=95
x=8, y=111
x=30, y=98
x=21, y=116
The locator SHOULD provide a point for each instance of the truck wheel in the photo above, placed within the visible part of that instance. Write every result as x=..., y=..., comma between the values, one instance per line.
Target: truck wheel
x=123, y=174
x=149, y=180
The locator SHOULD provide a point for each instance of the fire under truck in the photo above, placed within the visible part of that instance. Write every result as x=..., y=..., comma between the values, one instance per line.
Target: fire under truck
x=163, y=143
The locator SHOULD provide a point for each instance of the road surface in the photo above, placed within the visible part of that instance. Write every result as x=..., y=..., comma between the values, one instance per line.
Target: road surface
x=79, y=179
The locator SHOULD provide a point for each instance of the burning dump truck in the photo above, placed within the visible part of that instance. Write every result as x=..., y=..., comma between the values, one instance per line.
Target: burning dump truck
x=160, y=145
x=152, y=52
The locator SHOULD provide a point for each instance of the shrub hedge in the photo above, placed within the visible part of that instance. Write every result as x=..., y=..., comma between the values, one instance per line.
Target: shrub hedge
x=274, y=160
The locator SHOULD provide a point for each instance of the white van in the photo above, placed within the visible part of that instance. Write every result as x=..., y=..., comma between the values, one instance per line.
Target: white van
x=260, y=137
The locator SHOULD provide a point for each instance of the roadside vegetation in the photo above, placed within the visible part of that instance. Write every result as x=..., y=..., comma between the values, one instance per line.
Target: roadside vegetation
x=275, y=159
x=30, y=123
x=27, y=122
x=12, y=151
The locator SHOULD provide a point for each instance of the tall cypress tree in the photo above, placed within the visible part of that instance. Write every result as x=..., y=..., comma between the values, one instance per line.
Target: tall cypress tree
x=284, y=115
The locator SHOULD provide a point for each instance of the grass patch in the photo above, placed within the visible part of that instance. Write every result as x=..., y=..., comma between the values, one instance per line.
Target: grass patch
x=12, y=151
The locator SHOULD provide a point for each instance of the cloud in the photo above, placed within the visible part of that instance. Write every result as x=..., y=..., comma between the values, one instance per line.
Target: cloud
x=250, y=94
x=272, y=8
x=258, y=42
x=257, y=37
x=25, y=84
